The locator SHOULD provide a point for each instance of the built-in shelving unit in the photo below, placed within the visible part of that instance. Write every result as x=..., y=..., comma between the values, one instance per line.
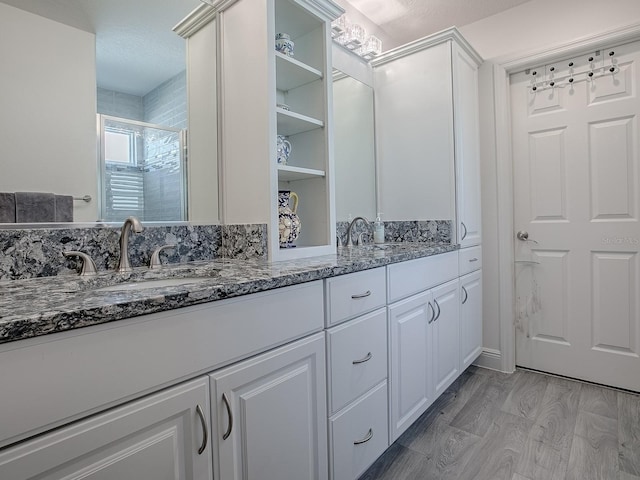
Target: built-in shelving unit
x=253, y=83
x=303, y=85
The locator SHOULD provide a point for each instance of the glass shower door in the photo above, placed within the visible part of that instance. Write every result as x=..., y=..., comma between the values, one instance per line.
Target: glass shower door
x=142, y=170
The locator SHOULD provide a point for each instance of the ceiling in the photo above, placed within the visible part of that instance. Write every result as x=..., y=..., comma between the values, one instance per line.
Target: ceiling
x=137, y=50
x=407, y=20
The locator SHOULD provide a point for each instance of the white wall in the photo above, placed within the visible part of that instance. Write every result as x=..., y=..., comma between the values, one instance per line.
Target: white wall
x=535, y=26
x=48, y=109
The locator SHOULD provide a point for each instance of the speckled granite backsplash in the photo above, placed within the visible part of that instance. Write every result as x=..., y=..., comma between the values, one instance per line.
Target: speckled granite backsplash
x=431, y=231
x=38, y=252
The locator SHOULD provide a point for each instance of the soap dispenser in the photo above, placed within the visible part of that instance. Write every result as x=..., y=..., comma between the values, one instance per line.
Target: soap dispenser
x=378, y=230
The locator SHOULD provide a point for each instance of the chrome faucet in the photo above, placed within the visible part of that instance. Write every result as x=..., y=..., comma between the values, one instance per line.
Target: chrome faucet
x=353, y=222
x=131, y=223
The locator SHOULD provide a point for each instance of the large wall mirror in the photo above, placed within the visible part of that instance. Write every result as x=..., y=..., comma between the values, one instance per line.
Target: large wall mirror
x=94, y=105
x=354, y=138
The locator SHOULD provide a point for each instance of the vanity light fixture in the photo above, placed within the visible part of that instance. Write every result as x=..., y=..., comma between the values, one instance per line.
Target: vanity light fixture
x=354, y=38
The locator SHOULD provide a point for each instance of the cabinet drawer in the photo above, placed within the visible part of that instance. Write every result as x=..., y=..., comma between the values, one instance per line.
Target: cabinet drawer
x=351, y=295
x=357, y=353
x=470, y=259
x=351, y=452
x=415, y=276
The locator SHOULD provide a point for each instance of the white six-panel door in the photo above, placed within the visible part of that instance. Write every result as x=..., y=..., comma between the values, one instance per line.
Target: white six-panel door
x=576, y=179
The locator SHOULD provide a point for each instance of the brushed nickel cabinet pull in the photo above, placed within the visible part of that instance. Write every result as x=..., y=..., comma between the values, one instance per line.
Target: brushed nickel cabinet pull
x=433, y=313
x=437, y=305
x=466, y=295
x=366, y=358
x=474, y=259
x=366, y=438
x=225, y=399
x=361, y=295
x=465, y=230
x=205, y=430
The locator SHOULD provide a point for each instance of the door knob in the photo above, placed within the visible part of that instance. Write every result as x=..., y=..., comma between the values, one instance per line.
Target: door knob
x=524, y=236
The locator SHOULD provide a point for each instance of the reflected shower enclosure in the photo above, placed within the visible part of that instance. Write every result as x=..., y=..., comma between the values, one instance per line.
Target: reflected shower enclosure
x=142, y=171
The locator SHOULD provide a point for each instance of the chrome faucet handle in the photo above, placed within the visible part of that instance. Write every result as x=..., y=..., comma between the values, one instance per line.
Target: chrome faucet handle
x=88, y=265
x=155, y=262
x=360, y=239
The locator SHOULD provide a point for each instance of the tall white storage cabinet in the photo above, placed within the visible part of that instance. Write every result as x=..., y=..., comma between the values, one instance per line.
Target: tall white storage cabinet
x=427, y=133
x=253, y=81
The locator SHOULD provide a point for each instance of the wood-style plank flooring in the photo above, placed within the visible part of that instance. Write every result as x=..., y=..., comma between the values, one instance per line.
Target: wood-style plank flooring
x=525, y=426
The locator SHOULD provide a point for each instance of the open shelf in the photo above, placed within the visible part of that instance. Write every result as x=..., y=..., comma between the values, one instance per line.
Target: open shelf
x=288, y=173
x=290, y=123
x=292, y=73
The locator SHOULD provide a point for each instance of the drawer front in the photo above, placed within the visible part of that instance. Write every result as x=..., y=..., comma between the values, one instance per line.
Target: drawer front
x=351, y=295
x=351, y=452
x=414, y=276
x=357, y=352
x=470, y=259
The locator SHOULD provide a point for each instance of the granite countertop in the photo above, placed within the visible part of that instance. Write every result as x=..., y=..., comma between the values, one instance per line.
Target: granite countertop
x=34, y=307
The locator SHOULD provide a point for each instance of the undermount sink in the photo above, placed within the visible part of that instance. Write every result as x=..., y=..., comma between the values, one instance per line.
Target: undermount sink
x=146, y=284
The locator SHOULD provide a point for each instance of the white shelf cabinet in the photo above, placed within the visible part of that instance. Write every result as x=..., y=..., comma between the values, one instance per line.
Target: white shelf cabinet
x=166, y=433
x=254, y=78
x=270, y=415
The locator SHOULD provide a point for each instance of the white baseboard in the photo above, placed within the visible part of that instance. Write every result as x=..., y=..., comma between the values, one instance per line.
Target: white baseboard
x=490, y=358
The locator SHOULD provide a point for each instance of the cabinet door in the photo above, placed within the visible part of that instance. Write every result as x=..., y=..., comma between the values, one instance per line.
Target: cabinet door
x=160, y=437
x=445, y=336
x=269, y=415
x=414, y=121
x=470, y=318
x=467, y=147
x=410, y=381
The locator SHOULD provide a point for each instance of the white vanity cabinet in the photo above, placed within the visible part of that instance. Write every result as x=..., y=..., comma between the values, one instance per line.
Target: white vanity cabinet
x=424, y=335
x=98, y=393
x=357, y=371
x=164, y=435
x=269, y=415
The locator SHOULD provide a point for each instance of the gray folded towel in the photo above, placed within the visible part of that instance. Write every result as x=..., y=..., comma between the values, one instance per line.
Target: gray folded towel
x=64, y=208
x=7, y=207
x=34, y=207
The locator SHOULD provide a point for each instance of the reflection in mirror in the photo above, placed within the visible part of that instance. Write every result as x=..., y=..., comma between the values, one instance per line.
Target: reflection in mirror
x=70, y=60
x=141, y=170
x=354, y=152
